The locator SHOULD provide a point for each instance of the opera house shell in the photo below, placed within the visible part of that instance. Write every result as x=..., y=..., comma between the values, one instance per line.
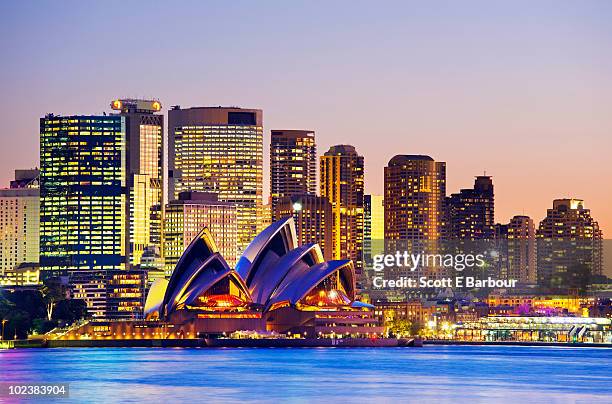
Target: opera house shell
x=277, y=285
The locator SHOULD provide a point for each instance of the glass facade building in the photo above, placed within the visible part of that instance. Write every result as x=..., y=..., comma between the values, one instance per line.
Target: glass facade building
x=219, y=150
x=293, y=165
x=82, y=193
x=342, y=183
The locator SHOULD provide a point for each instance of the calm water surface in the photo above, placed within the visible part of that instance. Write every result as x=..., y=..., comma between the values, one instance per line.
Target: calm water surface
x=429, y=374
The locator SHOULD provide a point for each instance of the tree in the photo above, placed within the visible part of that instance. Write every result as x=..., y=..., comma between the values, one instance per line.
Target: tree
x=399, y=327
x=53, y=291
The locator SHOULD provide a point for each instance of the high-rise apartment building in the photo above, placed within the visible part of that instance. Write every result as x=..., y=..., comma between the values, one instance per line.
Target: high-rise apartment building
x=470, y=213
x=219, y=150
x=415, y=187
x=569, y=246
x=521, y=247
x=187, y=216
x=144, y=174
x=374, y=225
x=342, y=183
x=293, y=165
x=19, y=223
x=313, y=220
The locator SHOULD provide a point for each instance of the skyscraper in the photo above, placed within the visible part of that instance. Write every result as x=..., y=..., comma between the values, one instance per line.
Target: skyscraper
x=415, y=187
x=521, y=249
x=313, y=219
x=293, y=165
x=219, y=150
x=83, y=209
x=83, y=219
x=374, y=225
x=470, y=212
x=144, y=174
x=19, y=222
x=569, y=246
x=187, y=216
x=342, y=183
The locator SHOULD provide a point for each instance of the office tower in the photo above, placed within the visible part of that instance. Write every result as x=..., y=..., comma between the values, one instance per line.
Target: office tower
x=82, y=193
x=144, y=174
x=342, y=183
x=313, y=219
x=293, y=165
x=415, y=187
x=470, y=212
x=83, y=218
x=219, y=150
x=569, y=246
x=188, y=215
x=19, y=224
x=374, y=225
x=521, y=247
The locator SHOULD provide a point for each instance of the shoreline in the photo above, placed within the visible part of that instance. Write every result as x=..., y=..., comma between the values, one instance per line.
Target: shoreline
x=282, y=343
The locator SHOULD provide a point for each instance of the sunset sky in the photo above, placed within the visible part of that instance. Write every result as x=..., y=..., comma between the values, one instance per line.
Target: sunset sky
x=522, y=89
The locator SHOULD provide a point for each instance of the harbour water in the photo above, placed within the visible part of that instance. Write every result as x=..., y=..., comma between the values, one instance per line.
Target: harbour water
x=429, y=374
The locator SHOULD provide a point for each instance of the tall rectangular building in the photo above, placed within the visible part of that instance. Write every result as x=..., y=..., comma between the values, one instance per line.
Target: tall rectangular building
x=187, y=216
x=219, y=150
x=144, y=174
x=342, y=183
x=374, y=225
x=470, y=213
x=569, y=246
x=19, y=222
x=293, y=165
x=522, y=249
x=415, y=187
x=83, y=221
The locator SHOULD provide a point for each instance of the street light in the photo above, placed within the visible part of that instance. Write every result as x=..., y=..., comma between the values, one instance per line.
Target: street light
x=3, y=322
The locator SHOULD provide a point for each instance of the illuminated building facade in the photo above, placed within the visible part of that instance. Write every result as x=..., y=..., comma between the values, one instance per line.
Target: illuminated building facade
x=19, y=223
x=373, y=225
x=82, y=193
x=342, y=183
x=144, y=174
x=277, y=288
x=569, y=246
x=415, y=187
x=219, y=150
x=293, y=165
x=313, y=219
x=114, y=294
x=186, y=217
x=521, y=247
x=470, y=213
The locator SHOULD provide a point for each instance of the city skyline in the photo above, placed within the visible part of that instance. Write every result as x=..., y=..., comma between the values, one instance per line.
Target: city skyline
x=521, y=95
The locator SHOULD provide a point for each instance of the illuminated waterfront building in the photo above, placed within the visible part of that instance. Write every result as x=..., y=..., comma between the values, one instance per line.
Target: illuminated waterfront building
x=415, y=187
x=342, y=183
x=113, y=294
x=186, y=217
x=569, y=246
x=293, y=165
x=144, y=174
x=19, y=223
x=313, y=219
x=219, y=150
x=470, y=213
x=536, y=329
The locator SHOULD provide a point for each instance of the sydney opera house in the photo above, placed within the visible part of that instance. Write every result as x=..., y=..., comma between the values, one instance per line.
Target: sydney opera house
x=277, y=286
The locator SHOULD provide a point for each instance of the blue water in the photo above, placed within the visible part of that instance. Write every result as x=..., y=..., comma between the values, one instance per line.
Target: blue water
x=429, y=374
